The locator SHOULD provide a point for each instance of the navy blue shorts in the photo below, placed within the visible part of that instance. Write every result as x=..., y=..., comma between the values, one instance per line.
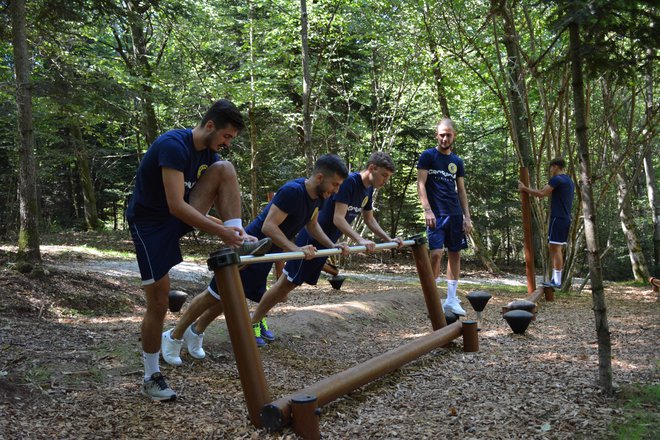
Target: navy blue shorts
x=558, y=230
x=304, y=271
x=157, y=247
x=254, y=278
x=448, y=233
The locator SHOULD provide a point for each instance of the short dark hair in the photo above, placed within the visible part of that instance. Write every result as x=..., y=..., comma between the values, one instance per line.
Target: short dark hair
x=560, y=162
x=381, y=160
x=330, y=164
x=223, y=112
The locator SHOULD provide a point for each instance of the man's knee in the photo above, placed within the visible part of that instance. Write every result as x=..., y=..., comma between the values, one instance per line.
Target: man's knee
x=222, y=170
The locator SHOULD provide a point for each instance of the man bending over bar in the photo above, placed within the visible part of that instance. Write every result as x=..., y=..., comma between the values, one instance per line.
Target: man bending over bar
x=295, y=205
x=179, y=179
x=354, y=197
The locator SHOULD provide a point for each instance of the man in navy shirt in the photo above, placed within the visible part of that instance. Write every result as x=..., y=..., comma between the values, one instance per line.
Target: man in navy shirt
x=179, y=179
x=295, y=205
x=441, y=189
x=335, y=218
x=561, y=187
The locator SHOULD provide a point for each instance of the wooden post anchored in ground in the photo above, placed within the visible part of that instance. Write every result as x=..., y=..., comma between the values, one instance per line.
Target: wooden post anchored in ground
x=304, y=404
x=527, y=231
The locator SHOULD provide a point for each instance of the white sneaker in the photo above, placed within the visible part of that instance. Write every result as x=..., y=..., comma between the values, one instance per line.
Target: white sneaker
x=194, y=343
x=170, y=348
x=454, y=305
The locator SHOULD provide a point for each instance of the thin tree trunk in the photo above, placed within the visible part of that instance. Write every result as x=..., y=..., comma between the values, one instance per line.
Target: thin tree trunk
x=654, y=203
x=590, y=225
x=437, y=71
x=28, y=239
x=82, y=161
x=516, y=86
x=307, y=88
x=253, y=124
x=149, y=122
x=637, y=259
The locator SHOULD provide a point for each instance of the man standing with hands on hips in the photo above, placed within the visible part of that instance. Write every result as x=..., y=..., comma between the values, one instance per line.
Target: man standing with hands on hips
x=441, y=189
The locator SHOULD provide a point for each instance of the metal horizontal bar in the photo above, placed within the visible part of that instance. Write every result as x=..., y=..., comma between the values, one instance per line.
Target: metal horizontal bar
x=286, y=256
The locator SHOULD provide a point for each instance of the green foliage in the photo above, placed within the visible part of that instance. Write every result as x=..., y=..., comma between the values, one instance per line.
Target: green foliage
x=373, y=87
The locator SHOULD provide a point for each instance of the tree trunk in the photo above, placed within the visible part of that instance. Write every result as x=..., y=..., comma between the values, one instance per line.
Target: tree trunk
x=517, y=96
x=654, y=203
x=590, y=225
x=637, y=259
x=82, y=162
x=149, y=122
x=253, y=125
x=437, y=72
x=307, y=89
x=516, y=87
x=28, y=239
x=481, y=252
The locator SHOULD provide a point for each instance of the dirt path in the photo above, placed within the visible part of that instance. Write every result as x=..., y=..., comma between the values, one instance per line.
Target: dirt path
x=70, y=364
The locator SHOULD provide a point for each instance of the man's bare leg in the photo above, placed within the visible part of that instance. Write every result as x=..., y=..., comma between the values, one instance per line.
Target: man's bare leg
x=436, y=261
x=154, y=316
x=198, y=306
x=274, y=295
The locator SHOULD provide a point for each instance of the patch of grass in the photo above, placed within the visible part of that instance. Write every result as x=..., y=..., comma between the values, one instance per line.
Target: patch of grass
x=494, y=289
x=630, y=283
x=641, y=418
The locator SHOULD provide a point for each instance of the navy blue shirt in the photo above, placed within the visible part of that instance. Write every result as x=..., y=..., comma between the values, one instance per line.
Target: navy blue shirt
x=353, y=193
x=561, y=201
x=174, y=149
x=440, y=185
x=293, y=199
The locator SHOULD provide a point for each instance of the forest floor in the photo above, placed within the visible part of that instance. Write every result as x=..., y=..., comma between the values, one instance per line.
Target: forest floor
x=70, y=364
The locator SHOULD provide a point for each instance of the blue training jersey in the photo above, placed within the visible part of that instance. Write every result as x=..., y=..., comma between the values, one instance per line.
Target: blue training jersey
x=440, y=185
x=561, y=200
x=173, y=149
x=353, y=193
x=293, y=199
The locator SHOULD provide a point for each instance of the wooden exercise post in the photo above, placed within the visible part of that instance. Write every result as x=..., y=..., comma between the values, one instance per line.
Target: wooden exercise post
x=305, y=403
x=224, y=264
x=527, y=232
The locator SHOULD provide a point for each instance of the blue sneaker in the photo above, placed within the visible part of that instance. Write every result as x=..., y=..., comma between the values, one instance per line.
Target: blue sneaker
x=265, y=333
x=551, y=284
x=256, y=328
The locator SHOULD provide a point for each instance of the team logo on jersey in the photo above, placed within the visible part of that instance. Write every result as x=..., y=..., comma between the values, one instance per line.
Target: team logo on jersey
x=452, y=168
x=201, y=170
x=365, y=200
x=315, y=214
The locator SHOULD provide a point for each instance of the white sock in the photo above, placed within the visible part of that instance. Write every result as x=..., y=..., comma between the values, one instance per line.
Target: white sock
x=438, y=280
x=151, y=366
x=556, y=276
x=234, y=222
x=451, y=289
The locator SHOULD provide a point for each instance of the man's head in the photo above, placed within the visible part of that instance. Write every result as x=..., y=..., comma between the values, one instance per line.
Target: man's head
x=556, y=166
x=221, y=124
x=380, y=168
x=329, y=172
x=445, y=134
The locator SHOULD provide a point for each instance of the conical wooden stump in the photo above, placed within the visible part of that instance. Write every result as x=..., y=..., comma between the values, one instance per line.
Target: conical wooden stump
x=518, y=320
x=520, y=304
x=451, y=317
x=478, y=300
x=176, y=300
x=337, y=281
